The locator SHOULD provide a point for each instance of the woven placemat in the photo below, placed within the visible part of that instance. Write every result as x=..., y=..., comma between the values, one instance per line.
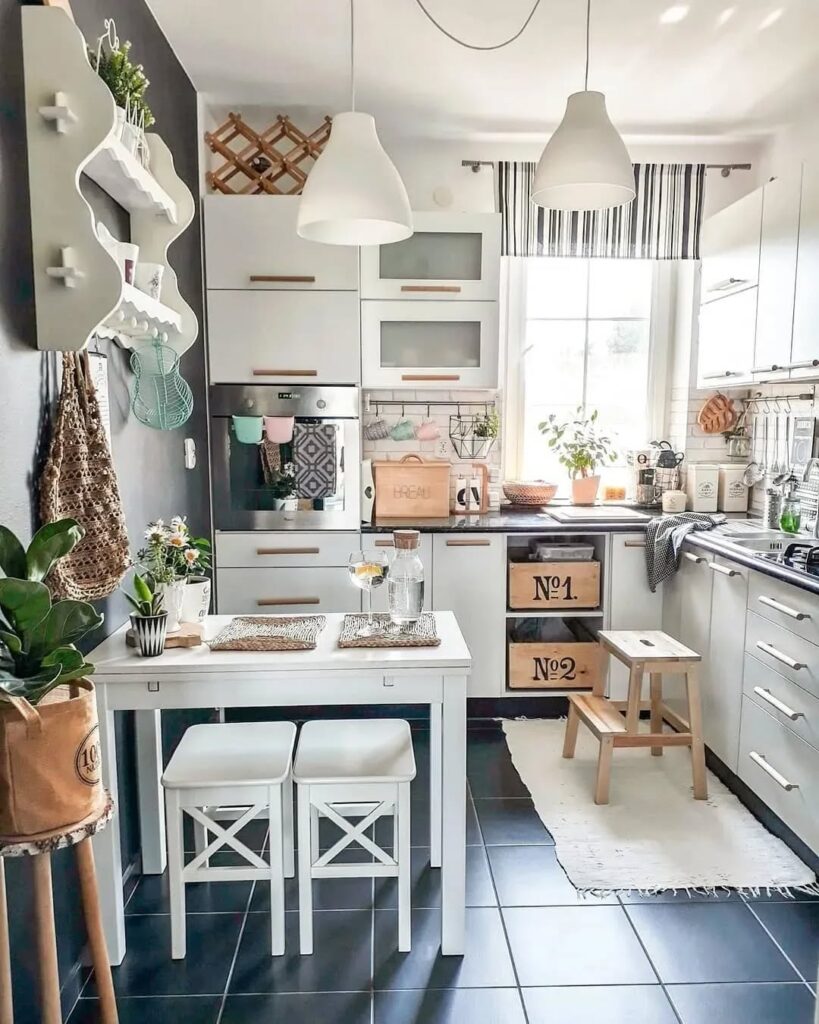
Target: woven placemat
x=419, y=634
x=269, y=633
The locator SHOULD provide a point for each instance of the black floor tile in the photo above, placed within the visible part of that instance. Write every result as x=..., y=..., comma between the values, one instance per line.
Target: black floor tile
x=795, y=926
x=511, y=822
x=297, y=1008
x=614, y=1004
x=426, y=883
x=531, y=876
x=774, y=896
x=576, y=946
x=742, y=1004
x=420, y=826
x=151, y=897
x=449, y=1006
x=153, y=1009
x=328, y=893
x=340, y=961
x=489, y=766
x=148, y=969
x=486, y=963
x=699, y=942
x=252, y=835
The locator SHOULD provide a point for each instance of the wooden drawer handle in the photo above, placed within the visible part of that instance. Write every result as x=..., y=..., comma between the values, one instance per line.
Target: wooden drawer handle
x=775, y=702
x=284, y=278
x=384, y=544
x=778, y=607
x=269, y=602
x=288, y=551
x=430, y=288
x=430, y=376
x=769, y=769
x=779, y=656
x=634, y=544
x=464, y=543
x=721, y=568
x=285, y=373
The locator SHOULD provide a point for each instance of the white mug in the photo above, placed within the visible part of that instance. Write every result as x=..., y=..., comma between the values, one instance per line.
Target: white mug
x=674, y=501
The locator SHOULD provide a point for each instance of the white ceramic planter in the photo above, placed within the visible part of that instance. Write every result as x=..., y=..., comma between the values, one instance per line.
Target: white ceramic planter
x=174, y=594
x=195, y=599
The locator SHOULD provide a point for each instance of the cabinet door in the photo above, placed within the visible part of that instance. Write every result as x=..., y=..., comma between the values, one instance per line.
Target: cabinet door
x=285, y=591
x=729, y=245
x=448, y=256
x=631, y=603
x=259, y=337
x=693, y=583
x=777, y=278
x=384, y=542
x=429, y=344
x=722, y=683
x=251, y=242
x=725, y=351
x=805, y=348
x=469, y=579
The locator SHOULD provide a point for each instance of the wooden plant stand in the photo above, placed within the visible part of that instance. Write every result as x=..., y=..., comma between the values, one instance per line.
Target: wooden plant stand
x=40, y=848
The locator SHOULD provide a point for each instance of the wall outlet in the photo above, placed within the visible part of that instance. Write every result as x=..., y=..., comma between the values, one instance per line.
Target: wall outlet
x=442, y=448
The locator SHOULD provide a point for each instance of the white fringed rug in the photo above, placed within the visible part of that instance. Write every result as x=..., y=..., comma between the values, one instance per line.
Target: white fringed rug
x=653, y=835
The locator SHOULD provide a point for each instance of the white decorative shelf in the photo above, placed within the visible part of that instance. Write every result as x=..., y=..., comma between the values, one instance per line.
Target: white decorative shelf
x=119, y=173
x=139, y=317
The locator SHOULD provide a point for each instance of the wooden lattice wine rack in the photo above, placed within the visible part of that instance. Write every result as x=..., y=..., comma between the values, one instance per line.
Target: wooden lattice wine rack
x=275, y=161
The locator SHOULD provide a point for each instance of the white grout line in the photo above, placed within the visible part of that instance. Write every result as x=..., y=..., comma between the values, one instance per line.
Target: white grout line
x=778, y=946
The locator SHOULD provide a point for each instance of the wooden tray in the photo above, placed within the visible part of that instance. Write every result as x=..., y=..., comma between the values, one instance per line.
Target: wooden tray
x=188, y=635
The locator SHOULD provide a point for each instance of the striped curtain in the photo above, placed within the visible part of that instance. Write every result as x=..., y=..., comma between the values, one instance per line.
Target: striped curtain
x=661, y=223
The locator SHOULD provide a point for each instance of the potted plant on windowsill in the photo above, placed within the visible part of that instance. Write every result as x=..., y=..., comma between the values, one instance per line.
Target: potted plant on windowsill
x=49, y=734
x=149, y=620
x=581, y=448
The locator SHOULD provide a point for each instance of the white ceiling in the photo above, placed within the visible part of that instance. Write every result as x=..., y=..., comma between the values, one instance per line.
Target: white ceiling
x=729, y=70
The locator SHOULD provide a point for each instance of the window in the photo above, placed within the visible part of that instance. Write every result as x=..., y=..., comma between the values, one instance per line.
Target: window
x=581, y=334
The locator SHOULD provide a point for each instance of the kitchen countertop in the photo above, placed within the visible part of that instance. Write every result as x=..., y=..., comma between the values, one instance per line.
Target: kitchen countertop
x=502, y=522
x=712, y=541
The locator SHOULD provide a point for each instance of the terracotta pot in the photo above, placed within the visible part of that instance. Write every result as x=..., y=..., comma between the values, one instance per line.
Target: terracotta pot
x=584, y=490
x=50, y=772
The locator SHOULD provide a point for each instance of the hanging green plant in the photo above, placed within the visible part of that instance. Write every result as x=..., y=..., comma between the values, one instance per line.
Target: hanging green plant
x=125, y=80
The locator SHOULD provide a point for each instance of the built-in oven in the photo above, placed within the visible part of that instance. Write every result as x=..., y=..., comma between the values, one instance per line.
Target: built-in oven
x=284, y=457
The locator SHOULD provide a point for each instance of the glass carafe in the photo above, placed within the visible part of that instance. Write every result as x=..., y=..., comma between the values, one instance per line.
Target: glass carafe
x=405, y=582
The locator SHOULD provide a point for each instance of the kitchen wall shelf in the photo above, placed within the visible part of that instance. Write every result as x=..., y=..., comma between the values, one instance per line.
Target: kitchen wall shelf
x=71, y=130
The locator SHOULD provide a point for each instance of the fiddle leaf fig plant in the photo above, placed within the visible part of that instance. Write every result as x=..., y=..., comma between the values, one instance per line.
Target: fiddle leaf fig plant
x=37, y=636
x=578, y=443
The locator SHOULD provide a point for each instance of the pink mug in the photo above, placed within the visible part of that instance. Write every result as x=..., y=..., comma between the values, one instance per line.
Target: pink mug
x=279, y=429
x=428, y=431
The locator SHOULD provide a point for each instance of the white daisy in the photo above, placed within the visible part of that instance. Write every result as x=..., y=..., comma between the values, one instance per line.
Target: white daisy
x=177, y=540
x=191, y=556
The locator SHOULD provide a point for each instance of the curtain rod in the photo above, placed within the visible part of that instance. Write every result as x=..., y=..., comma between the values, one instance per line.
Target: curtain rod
x=724, y=169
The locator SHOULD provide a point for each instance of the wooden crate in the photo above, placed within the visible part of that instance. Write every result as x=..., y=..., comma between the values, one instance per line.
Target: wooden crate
x=540, y=586
x=411, y=488
x=561, y=666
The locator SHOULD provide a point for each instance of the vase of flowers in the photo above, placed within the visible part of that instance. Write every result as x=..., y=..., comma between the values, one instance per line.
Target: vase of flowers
x=149, y=619
x=177, y=561
x=581, y=448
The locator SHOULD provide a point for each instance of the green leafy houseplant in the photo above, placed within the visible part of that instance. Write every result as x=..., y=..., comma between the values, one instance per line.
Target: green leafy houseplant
x=284, y=485
x=147, y=599
x=126, y=81
x=578, y=443
x=488, y=425
x=38, y=636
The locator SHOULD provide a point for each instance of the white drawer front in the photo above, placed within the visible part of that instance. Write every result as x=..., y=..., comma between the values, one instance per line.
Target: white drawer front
x=382, y=542
x=788, y=606
x=788, y=703
x=275, y=337
x=285, y=591
x=251, y=242
x=771, y=759
x=784, y=652
x=284, y=550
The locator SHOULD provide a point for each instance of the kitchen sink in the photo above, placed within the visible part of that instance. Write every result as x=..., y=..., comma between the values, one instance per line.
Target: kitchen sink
x=762, y=542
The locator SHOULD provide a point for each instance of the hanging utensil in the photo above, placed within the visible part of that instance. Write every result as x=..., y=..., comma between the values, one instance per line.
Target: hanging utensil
x=776, y=469
x=753, y=471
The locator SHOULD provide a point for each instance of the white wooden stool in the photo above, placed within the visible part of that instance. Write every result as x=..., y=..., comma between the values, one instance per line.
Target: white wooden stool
x=343, y=770
x=245, y=764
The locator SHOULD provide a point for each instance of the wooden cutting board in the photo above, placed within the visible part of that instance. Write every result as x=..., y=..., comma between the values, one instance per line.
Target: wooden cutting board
x=188, y=635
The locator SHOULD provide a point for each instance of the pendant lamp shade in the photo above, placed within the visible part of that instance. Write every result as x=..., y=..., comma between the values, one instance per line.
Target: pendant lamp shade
x=354, y=195
x=585, y=164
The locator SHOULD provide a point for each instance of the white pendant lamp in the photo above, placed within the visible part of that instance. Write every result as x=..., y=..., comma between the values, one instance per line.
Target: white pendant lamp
x=354, y=195
x=585, y=164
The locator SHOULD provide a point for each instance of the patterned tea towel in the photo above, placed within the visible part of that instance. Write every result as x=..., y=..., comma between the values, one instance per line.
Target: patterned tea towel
x=314, y=456
x=664, y=540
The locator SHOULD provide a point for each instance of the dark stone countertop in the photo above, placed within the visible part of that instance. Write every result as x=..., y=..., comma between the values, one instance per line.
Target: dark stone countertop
x=718, y=545
x=501, y=522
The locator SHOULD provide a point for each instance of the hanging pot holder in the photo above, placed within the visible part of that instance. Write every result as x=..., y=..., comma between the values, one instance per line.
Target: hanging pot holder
x=79, y=483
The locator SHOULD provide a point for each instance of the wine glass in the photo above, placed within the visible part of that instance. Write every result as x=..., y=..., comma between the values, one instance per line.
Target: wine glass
x=368, y=570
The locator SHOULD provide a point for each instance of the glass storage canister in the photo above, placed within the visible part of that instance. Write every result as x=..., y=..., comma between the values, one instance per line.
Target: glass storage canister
x=790, y=518
x=405, y=581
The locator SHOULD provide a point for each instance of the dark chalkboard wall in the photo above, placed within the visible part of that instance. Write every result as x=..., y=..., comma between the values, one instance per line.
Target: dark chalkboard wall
x=150, y=466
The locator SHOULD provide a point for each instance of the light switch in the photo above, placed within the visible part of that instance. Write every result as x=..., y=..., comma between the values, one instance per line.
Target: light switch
x=190, y=453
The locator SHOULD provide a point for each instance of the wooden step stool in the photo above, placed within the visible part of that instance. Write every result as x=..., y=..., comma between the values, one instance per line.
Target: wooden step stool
x=651, y=651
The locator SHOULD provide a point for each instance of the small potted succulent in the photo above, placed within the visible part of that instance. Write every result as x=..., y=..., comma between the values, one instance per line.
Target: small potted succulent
x=149, y=620
x=581, y=448
x=49, y=731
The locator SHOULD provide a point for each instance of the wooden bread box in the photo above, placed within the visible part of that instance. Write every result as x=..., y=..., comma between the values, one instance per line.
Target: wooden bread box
x=558, y=666
x=540, y=586
x=412, y=488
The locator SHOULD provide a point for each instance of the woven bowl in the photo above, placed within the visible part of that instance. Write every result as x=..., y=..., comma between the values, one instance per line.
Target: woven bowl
x=531, y=492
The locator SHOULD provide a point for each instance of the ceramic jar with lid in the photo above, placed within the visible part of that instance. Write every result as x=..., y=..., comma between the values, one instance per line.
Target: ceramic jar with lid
x=702, y=486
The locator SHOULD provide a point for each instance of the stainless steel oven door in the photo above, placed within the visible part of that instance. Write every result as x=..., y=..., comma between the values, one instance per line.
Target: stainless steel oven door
x=309, y=482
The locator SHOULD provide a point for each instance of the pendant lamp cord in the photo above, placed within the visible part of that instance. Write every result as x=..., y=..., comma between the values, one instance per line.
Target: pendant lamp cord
x=588, y=26
x=352, y=55
x=473, y=46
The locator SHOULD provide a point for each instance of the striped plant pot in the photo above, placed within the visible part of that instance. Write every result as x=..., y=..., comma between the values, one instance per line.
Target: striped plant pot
x=151, y=631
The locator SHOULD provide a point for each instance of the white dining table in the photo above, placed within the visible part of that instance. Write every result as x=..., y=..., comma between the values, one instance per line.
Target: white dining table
x=196, y=677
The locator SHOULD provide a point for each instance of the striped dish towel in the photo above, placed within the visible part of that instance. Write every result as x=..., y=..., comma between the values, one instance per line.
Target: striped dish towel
x=664, y=541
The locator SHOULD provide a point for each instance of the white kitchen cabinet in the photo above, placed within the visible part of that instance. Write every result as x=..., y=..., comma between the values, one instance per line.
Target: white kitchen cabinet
x=805, y=349
x=729, y=246
x=448, y=256
x=283, y=550
x=777, y=278
x=286, y=591
x=282, y=336
x=722, y=679
x=383, y=542
x=727, y=328
x=631, y=603
x=251, y=243
x=429, y=344
x=469, y=578
x=687, y=617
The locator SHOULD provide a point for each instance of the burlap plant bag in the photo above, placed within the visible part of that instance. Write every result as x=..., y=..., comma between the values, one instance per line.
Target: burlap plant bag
x=50, y=771
x=79, y=483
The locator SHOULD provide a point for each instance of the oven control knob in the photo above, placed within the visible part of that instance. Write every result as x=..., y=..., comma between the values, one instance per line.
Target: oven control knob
x=250, y=402
x=321, y=404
